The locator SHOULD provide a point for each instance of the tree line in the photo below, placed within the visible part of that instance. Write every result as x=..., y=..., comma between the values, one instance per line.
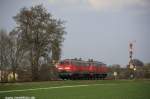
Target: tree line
x=35, y=41
x=142, y=71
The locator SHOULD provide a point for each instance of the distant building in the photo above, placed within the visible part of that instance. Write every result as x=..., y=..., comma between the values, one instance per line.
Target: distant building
x=7, y=75
x=10, y=76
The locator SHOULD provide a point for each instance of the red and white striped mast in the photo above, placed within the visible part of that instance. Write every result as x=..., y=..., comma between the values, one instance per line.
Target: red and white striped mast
x=131, y=64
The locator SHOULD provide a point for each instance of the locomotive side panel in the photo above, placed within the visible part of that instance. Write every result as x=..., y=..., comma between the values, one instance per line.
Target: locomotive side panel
x=74, y=69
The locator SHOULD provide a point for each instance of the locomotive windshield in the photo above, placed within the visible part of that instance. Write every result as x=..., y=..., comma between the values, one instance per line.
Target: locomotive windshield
x=64, y=63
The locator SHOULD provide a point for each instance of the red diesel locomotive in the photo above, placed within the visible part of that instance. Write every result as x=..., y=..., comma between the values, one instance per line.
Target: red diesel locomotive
x=79, y=69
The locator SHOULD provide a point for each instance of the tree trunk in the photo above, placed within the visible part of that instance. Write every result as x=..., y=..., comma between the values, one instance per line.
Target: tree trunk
x=14, y=76
x=34, y=67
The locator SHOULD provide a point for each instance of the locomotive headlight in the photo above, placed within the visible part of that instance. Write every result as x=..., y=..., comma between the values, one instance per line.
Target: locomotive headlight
x=67, y=68
x=60, y=68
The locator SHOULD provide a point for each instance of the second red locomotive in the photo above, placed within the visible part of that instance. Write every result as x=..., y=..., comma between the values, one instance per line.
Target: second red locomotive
x=79, y=69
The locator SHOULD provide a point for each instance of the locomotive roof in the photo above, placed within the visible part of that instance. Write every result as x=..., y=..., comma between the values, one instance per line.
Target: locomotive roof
x=82, y=61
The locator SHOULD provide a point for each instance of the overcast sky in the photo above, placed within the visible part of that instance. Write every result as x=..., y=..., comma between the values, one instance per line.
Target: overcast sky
x=98, y=29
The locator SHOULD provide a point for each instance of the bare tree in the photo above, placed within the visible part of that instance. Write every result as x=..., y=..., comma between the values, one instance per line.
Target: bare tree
x=4, y=57
x=40, y=34
x=16, y=51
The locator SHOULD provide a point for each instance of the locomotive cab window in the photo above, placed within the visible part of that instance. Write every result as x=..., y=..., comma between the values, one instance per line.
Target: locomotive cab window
x=64, y=63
